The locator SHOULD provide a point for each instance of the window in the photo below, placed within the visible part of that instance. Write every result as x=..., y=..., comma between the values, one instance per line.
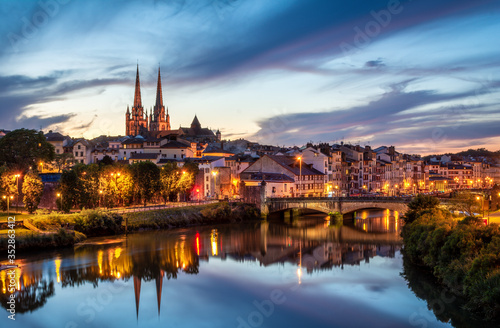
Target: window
x=207, y=186
x=206, y=179
x=81, y=153
x=79, y=147
x=57, y=151
x=285, y=187
x=175, y=156
x=274, y=190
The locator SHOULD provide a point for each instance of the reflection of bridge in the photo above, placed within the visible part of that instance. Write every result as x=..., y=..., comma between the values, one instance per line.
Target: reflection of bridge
x=342, y=205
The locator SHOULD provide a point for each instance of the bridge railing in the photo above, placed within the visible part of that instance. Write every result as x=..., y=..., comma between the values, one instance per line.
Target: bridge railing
x=341, y=199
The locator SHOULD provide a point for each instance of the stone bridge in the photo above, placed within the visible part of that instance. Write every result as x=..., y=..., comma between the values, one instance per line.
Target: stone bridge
x=342, y=205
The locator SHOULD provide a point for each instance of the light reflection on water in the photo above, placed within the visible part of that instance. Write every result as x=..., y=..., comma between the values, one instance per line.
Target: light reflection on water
x=308, y=272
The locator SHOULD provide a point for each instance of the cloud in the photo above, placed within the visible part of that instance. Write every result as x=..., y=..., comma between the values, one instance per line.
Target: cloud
x=390, y=119
x=375, y=63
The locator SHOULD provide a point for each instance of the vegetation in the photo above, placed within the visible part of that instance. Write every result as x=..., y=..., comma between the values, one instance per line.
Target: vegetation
x=88, y=222
x=110, y=185
x=464, y=255
x=32, y=190
x=34, y=240
x=467, y=202
x=23, y=149
x=192, y=215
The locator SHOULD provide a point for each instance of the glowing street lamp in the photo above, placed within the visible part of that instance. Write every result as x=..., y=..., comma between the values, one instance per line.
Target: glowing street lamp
x=59, y=195
x=300, y=174
x=214, y=173
x=17, y=194
x=8, y=203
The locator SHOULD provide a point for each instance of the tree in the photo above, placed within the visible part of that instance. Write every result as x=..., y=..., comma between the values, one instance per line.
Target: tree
x=146, y=177
x=23, y=148
x=466, y=202
x=68, y=190
x=106, y=160
x=169, y=181
x=32, y=190
x=419, y=204
x=62, y=160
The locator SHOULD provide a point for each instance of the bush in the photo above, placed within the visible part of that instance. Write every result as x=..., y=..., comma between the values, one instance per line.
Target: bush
x=463, y=255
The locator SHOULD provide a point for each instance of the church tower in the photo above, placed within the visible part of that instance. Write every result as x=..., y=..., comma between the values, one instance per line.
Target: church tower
x=137, y=121
x=159, y=121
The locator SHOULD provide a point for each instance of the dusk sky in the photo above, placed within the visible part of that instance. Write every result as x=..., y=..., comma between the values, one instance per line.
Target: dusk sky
x=421, y=75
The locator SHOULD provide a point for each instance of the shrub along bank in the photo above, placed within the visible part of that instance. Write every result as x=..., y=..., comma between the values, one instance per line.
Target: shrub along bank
x=190, y=216
x=60, y=230
x=464, y=255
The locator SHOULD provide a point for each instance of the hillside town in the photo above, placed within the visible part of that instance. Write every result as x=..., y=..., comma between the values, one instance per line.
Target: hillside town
x=313, y=170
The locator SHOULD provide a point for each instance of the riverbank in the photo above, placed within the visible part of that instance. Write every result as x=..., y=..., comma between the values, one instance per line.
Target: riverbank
x=63, y=230
x=464, y=255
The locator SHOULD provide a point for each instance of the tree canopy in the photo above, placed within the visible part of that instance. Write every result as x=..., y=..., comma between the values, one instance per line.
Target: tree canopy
x=23, y=148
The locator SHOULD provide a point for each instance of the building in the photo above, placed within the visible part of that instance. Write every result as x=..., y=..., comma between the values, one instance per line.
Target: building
x=138, y=122
x=295, y=178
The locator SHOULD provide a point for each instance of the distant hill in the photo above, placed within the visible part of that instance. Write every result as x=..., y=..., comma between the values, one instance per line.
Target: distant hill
x=480, y=153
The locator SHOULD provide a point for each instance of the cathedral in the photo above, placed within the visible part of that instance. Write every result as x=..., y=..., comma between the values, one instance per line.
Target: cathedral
x=157, y=123
x=138, y=122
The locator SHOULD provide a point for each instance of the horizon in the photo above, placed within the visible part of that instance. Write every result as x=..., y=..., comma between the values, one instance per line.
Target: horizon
x=416, y=75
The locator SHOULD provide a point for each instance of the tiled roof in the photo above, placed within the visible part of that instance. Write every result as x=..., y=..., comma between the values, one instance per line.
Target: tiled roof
x=174, y=145
x=268, y=177
x=293, y=165
x=144, y=156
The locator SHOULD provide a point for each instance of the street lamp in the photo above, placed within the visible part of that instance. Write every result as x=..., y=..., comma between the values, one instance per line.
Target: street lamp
x=8, y=198
x=41, y=164
x=482, y=205
x=214, y=173
x=59, y=195
x=17, y=194
x=300, y=174
x=116, y=175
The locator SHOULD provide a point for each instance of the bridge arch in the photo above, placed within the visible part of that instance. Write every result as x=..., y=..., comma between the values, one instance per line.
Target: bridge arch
x=354, y=207
x=328, y=204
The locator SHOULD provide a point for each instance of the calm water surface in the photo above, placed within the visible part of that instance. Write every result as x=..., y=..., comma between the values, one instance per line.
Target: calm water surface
x=307, y=272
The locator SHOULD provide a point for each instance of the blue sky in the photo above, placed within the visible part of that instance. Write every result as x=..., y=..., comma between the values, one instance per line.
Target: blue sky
x=421, y=75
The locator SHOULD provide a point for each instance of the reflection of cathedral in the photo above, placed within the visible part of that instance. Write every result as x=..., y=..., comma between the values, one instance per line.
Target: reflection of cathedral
x=155, y=256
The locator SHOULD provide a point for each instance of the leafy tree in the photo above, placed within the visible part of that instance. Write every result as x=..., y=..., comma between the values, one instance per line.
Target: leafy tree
x=23, y=148
x=32, y=190
x=188, y=176
x=68, y=190
x=117, y=184
x=63, y=160
x=146, y=177
x=419, y=204
x=106, y=160
x=466, y=202
x=169, y=181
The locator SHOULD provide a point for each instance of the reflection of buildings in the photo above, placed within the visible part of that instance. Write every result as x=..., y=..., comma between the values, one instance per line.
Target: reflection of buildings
x=309, y=244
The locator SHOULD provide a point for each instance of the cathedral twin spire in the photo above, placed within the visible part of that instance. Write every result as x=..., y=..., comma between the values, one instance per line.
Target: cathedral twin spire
x=137, y=122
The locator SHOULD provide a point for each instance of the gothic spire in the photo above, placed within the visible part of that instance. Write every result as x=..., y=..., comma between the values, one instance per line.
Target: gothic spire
x=137, y=97
x=159, y=95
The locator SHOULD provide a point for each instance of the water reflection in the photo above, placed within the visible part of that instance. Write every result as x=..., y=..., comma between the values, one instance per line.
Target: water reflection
x=310, y=246
x=155, y=256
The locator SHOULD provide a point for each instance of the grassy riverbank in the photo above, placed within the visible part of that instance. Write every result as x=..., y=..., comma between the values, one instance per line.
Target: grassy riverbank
x=463, y=254
x=59, y=230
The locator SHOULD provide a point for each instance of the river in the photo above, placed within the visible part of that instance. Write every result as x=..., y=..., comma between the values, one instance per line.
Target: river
x=306, y=272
